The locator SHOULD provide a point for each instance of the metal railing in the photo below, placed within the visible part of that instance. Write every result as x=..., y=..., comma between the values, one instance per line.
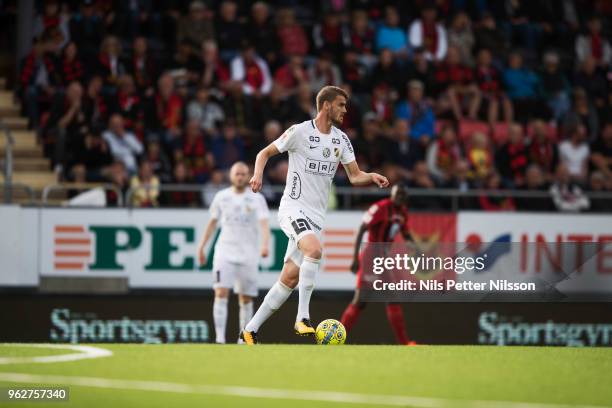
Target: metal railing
x=81, y=187
x=11, y=188
x=347, y=197
x=7, y=167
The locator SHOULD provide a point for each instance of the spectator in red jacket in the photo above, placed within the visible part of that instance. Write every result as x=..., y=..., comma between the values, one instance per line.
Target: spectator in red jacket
x=292, y=36
x=460, y=85
x=71, y=68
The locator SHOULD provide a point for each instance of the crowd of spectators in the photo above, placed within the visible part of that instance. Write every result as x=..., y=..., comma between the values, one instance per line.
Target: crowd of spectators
x=467, y=94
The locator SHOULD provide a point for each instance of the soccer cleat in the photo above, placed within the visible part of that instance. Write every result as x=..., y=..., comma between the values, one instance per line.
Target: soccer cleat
x=249, y=338
x=304, y=328
x=411, y=343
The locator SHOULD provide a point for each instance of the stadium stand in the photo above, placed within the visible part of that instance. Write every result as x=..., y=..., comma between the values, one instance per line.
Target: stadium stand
x=156, y=93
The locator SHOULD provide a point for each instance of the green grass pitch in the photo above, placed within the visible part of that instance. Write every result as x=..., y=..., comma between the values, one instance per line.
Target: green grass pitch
x=192, y=375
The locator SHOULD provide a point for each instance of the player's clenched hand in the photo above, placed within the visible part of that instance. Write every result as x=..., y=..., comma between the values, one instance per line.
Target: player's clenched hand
x=264, y=251
x=201, y=257
x=380, y=181
x=255, y=183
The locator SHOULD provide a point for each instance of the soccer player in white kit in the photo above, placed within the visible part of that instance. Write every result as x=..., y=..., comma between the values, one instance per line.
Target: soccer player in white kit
x=315, y=148
x=242, y=215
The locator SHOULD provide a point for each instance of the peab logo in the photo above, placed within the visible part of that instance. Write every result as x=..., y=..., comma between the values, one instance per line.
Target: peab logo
x=96, y=248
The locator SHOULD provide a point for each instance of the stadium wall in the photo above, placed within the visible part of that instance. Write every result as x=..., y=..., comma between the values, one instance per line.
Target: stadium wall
x=155, y=248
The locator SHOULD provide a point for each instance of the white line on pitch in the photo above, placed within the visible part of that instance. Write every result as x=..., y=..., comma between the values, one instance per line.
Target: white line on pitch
x=272, y=393
x=84, y=352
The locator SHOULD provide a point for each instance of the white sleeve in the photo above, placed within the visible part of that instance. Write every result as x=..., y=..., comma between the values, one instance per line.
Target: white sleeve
x=266, y=86
x=288, y=141
x=415, y=36
x=262, y=208
x=134, y=143
x=215, y=208
x=442, y=43
x=348, y=154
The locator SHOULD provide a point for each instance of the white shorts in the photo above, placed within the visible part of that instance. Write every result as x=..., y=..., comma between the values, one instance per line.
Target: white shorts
x=241, y=277
x=296, y=224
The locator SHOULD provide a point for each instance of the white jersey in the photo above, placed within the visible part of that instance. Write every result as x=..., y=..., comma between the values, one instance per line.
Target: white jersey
x=238, y=215
x=313, y=161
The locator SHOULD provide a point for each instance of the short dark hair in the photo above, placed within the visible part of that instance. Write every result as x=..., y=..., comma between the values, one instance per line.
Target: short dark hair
x=329, y=94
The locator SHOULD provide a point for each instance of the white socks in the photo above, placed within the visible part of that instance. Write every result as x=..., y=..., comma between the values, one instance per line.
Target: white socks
x=245, y=314
x=308, y=271
x=220, y=318
x=277, y=295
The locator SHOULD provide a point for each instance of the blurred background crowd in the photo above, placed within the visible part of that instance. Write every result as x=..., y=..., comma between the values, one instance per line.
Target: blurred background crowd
x=461, y=94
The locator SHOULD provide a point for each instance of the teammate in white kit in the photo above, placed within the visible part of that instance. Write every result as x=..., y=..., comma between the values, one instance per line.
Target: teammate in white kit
x=315, y=148
x=242, y=215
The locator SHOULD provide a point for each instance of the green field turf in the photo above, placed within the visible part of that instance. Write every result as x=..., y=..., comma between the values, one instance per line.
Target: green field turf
x=318, y=376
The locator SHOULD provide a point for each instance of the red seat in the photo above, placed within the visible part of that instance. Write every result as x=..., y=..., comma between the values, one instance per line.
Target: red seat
x=468, y=127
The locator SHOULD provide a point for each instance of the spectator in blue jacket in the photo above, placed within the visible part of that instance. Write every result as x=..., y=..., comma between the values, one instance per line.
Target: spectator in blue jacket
x=523, y=89
x=417, y=112
x=390, y=35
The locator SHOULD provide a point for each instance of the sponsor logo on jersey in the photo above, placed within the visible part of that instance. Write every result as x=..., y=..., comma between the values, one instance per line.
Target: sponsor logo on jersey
x=296, y=186
x=348, y=143
x=326, y=152
x=320, y=167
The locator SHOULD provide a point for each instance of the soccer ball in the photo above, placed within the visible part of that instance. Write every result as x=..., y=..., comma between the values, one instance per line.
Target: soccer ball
x=330, y=331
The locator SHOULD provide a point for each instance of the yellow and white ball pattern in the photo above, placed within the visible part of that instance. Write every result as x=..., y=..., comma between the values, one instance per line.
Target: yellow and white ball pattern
x=330, y=331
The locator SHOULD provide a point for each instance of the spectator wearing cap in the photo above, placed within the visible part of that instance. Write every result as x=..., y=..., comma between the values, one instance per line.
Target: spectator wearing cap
x=251, y=71
x=197, y=26
x=417, y=112
x=390, y=35
x=428, y=33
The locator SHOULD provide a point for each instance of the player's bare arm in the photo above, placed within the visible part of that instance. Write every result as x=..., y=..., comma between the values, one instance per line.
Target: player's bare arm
x=208, y=231
x=355, y=264
x=260, y=164
x=265, y=237
x=357, y=177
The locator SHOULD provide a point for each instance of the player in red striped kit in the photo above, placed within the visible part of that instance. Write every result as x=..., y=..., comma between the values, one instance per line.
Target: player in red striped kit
x=383, y=221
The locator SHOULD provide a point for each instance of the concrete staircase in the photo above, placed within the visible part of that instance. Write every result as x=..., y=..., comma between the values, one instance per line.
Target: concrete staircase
x=30, y=167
